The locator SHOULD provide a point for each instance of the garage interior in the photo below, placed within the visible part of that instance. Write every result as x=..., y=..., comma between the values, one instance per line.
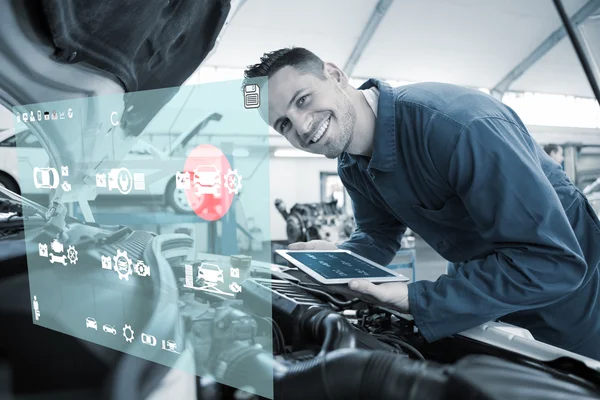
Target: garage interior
x=518, y=52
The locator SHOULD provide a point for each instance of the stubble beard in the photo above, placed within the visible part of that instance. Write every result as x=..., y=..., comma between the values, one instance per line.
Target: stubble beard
x=347, y=122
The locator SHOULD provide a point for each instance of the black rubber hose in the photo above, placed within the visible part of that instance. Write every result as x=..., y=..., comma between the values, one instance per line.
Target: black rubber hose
x=353, y=374
x=329, y=328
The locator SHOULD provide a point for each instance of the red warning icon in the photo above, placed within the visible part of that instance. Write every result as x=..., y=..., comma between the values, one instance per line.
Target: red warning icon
x=208, y=194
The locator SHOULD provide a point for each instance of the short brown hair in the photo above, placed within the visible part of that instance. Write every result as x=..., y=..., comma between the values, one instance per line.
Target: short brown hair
x=298, y=57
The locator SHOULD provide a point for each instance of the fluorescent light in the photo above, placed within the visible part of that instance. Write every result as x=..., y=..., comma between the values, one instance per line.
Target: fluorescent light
x=240, y=152
x=289, y=153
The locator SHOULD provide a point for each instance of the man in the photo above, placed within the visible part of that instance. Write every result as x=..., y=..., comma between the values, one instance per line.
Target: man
x=555, y=152
x=460, y=169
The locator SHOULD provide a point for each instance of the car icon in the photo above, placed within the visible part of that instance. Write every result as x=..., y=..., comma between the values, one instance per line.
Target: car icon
x=207, y=180
x=91, y=323
x=210, y=272
x=109, y=329
x=171, y=345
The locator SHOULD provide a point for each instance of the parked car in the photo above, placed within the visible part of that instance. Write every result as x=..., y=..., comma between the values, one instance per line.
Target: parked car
x=26, y=171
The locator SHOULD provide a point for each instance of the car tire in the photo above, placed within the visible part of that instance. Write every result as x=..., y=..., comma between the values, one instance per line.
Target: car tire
x=8, y=182
x=176, y=198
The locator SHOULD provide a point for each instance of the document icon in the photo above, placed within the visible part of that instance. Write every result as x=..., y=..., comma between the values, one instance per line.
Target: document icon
x=251, y=96
x=101, y=180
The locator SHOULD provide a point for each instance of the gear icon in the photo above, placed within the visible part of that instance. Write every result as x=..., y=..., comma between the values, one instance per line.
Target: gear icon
x=72, y=255
x=122, y=265
x=141, y=269
x=129, y=337
x=233, y=181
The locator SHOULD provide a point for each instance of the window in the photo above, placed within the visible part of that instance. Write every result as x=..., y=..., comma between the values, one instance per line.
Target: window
x=11, y=141
x=28, y=139
x=333, y=189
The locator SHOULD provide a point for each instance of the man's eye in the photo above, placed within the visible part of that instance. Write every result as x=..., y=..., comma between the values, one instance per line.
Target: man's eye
x=283, y=125
x=302, y=99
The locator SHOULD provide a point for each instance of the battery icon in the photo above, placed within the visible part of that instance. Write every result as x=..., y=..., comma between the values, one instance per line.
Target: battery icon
x=251, y=96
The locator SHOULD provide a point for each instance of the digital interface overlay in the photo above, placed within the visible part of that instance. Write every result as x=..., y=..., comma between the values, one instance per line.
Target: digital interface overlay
x=177, y=211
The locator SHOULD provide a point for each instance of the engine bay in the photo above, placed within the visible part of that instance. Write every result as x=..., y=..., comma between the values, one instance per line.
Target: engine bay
x=279, y=335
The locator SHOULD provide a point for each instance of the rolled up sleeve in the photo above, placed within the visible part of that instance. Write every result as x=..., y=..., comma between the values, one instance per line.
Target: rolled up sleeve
x=378, y=233
x=495, y=171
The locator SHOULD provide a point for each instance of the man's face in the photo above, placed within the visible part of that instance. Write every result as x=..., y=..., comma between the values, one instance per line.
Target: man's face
x=558, y=155
x=313, y=114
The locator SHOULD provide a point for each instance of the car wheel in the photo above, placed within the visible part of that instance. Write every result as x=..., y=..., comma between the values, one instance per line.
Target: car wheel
x=8, y=182
x=177, y=199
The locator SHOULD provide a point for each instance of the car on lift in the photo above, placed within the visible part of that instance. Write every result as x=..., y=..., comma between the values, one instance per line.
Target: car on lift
x=20, y=171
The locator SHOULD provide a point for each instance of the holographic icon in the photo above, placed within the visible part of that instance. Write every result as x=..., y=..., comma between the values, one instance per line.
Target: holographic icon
x=91, y=323
x=182, y=180
x=141, y=269
x=251, y=96
x=57, y=246
x=122, y=265
x=139, y=181
x=233, y=181
x=128, y=333
x=72, y=255
x=64, y=170
x=120, y=179
x=235, y=287
x=207, y=180
x=66, y=186
x=36, y=308
x=100, y=180
x=209, y=275
x=170, y=345
x=148, y=339
x=58, y=259
x=106, y=262
x=45, y=178
x=43, y=249
x=109, y=329
x=234, y=272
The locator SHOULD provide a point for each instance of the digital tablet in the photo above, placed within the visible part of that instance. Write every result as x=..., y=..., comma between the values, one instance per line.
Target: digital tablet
x=331, y=267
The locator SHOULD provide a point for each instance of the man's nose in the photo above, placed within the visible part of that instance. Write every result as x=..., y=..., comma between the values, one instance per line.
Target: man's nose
x=303, y=123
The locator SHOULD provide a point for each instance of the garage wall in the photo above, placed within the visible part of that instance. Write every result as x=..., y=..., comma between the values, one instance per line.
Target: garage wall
x=295, y=180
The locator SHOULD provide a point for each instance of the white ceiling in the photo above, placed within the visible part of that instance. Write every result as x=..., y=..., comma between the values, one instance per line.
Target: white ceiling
x=467, y=42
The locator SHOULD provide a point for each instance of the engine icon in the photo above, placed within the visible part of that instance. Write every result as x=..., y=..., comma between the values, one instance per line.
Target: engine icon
x=141, y=269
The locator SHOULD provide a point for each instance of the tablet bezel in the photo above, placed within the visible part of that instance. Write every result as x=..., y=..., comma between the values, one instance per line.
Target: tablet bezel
x=310, y=272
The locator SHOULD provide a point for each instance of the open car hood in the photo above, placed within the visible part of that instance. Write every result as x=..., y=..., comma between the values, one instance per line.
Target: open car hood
x=34, y=70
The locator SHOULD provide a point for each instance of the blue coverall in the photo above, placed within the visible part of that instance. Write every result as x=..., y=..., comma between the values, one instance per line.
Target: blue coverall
x=460, y=169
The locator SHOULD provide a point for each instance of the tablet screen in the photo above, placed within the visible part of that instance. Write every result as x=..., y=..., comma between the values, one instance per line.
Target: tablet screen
x=338, y=265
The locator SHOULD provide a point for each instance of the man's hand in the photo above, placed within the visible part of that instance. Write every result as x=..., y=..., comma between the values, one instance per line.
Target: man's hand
x=392, y=294
x=313, y=245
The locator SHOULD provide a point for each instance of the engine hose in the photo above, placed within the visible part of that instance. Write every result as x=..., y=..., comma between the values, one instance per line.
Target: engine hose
x=339, y=372
x=349, y=374
x=329, y=328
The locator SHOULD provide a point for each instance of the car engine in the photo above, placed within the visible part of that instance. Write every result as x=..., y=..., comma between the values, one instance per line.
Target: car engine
x=280, y=330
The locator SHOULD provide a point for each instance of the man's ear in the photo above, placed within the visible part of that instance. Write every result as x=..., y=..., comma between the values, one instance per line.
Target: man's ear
x=334, y=72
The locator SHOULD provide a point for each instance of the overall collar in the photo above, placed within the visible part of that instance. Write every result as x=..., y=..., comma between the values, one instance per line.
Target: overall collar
x=384, y=145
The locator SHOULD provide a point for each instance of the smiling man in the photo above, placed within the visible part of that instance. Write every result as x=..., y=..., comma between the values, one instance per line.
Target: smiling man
x=460, y=169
